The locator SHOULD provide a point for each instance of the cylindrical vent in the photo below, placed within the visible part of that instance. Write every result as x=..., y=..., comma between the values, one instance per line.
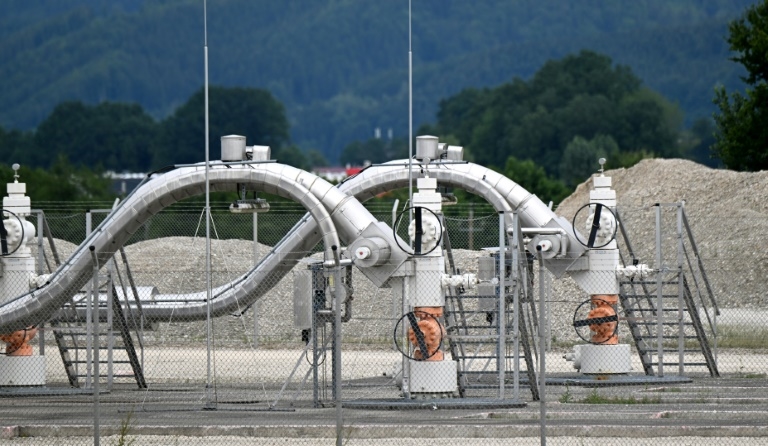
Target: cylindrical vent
x=232, y=148
x=426, y=147
x=486, y=268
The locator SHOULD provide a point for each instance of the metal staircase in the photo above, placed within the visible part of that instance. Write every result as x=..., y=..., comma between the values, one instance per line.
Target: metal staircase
x=664, y=313
x=473, y=328
x=76, y=336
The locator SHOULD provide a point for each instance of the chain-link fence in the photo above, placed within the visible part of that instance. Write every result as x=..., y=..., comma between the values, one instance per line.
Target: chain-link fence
x=143, y=352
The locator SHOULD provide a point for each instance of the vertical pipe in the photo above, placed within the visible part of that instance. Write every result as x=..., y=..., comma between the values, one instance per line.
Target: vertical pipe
x=542, y=354
x=501, y=359
x=394, y=211
x=680, y=302
x=516, y=281
x=659, y=295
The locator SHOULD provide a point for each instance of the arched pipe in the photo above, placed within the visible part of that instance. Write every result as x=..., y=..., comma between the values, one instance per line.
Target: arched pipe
x=38, y=305
x=347, y=213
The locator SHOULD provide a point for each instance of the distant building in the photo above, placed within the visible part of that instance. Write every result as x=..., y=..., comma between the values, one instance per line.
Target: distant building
x=336, y=173
x=124, y=182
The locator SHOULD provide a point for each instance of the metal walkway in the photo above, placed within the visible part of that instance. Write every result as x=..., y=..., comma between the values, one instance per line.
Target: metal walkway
x=666, y=314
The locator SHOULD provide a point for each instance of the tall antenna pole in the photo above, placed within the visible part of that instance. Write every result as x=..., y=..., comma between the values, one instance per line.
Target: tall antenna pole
x=406, y=301
x=208, y=293
x=410, y=113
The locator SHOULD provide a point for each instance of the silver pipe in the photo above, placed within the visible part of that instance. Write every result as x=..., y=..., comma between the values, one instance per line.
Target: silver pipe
x=36, y=306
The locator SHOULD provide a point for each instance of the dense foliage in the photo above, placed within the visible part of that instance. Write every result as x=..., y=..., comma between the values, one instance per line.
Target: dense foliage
x=742, y=140
x=60, y=182
x=123, y=137
x=571, y=112
x=340, y=67
x=250, y=112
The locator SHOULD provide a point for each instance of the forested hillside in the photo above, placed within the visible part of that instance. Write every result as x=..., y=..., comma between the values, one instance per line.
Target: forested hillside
x=339, y=67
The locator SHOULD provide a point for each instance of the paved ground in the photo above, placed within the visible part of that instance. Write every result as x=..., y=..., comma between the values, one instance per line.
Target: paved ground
x=722, y=410
x=703, y=410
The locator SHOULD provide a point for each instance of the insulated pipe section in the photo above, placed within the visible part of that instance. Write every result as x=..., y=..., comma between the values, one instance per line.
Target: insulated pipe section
x=468, y=176
x=501, y=192
x=394, y=175
x=153, y=196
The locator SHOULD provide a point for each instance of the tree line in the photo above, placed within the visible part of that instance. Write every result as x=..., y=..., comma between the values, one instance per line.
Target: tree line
x=546, y=133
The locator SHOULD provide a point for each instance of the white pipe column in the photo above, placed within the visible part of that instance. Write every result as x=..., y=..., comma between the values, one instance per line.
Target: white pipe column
x=430, y=372
x=19, y=366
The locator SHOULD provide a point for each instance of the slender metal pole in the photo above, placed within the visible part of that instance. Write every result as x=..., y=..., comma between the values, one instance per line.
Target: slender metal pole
x=410, y=114
x=516, y=306
x=501, y=347
x=257, y=304
x=406, y=291
x=89, y=313
x=208, y=292
x=680, y=289
x=95, y=322
x=337, y=298
x=542, y=354
x=659, y=296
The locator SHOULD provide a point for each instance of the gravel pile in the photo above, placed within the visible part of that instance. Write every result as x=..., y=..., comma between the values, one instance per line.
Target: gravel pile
x=727, y=211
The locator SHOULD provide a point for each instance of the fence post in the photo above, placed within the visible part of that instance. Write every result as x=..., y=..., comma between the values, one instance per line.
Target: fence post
x=659, y=296
x=95, y=322
x=542, y=353
x=502, y=317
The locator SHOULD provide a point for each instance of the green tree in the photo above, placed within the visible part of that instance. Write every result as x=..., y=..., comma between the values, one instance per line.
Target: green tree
x=315, y=158
x=112, y=135
x=374, y=150
x=292, y=156
x=580, y=158
x=743, y=119
x=250, y=112
x=581, y=95
x=19, y=147
x=60, y=182
x=535, y=180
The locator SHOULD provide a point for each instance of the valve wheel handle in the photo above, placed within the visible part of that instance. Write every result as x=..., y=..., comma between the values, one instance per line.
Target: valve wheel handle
x=419, y=231
x=4, y=236
x=595, y=226
x=577, y=323
x=420, y=339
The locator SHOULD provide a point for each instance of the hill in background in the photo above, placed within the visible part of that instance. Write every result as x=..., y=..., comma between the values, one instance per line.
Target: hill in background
x=341, y=67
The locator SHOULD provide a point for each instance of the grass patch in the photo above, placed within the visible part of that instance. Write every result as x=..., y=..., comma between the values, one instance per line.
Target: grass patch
x=596, y=398
x=742, y=337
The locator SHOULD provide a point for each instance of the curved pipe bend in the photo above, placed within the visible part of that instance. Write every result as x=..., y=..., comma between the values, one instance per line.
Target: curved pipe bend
x=153, y=196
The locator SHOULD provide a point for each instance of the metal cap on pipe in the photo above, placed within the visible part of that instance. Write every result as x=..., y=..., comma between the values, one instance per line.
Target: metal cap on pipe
x=232, y=148
x=427, y=147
